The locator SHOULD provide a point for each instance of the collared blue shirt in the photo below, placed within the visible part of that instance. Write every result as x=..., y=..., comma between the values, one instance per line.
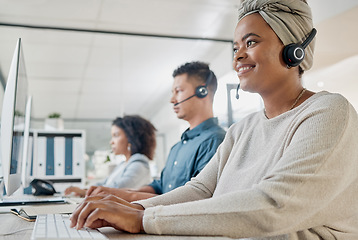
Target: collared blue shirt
x=189, y=156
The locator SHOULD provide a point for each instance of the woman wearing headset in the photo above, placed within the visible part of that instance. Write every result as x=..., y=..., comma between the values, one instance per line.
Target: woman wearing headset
x=133, y=137
x=286, y=172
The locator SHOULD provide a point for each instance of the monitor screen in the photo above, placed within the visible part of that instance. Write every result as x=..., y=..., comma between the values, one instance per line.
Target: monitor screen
x=13, y=122
x=27, y=151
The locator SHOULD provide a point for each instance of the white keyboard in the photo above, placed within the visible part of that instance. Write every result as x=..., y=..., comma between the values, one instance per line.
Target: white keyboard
x=57, y=226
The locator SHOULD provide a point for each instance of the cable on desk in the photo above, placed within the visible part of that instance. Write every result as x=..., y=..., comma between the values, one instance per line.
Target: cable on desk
x=17, y=231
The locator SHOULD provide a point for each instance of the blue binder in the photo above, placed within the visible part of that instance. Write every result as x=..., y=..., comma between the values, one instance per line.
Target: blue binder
x=50, y=156
x=68, y=156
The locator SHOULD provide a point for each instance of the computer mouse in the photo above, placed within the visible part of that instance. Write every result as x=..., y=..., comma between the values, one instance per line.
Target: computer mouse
x=42, y=187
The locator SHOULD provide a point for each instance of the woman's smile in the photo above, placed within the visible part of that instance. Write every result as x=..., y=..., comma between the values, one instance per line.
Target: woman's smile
x=244, y=68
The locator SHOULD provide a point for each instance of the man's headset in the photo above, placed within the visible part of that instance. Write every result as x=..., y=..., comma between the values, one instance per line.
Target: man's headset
x=200, y=91
x=293, y=54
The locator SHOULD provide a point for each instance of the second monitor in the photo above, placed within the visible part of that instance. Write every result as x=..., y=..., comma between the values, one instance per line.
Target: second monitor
x=13, y=122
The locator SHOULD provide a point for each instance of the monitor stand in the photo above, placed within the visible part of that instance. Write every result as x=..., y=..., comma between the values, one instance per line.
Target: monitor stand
x=2, y=187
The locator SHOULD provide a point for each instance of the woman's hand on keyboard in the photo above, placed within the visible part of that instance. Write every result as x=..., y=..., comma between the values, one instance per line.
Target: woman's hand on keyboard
x=76, y=191
x=109, y=198
x=103, y=211
x=123, y=193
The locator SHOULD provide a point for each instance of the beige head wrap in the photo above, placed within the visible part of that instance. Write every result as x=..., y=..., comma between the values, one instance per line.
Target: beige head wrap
x=291, y=20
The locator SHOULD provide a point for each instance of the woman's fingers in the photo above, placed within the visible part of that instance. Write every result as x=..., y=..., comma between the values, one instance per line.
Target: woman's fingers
x=105, y=212
x=90, y=190
x=85, y=212
x=74, y=216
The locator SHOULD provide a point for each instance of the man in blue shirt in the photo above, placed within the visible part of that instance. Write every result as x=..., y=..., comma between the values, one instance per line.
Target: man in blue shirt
x=189, y=156
x=193, y=93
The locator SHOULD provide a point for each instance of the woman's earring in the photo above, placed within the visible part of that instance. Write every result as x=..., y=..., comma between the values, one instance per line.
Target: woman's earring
x=129, y=147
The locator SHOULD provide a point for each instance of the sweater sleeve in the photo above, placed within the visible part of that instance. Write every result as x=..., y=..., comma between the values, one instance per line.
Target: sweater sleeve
x=200, y=187
x=133, y=176
x=191, y=191
x=205, y=153
x=311, y=186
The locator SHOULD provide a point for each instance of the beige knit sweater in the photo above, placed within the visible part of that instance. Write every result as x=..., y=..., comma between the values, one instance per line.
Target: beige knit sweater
x=294, y=176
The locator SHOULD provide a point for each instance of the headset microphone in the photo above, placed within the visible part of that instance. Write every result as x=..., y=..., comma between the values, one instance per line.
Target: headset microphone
x=237, y=91
x=184, y=100
x=294, y=53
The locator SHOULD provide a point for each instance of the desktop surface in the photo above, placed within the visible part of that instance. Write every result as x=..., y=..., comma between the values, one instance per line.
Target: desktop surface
x=23, y=229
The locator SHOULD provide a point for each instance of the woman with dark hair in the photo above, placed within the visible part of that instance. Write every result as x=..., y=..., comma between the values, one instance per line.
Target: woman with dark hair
x=133, y=137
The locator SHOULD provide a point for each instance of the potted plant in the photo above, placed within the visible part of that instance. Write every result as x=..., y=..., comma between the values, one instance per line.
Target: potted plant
x=54, y=122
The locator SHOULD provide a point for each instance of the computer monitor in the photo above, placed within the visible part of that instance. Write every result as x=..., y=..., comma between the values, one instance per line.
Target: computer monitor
x=13, y=122
x=27, y=152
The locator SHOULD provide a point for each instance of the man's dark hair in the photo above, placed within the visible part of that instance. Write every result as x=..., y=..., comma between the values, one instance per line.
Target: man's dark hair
x=198, y=73
x=139, y=132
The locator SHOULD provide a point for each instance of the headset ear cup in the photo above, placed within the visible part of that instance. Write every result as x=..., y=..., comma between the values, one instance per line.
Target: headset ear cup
x=201, y=91
x=293, y=54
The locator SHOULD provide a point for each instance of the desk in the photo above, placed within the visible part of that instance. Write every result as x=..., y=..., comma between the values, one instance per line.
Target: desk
x=11, y=223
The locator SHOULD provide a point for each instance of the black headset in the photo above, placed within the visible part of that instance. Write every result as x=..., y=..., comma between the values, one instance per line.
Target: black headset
x=200, y=91
x=294, y=53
